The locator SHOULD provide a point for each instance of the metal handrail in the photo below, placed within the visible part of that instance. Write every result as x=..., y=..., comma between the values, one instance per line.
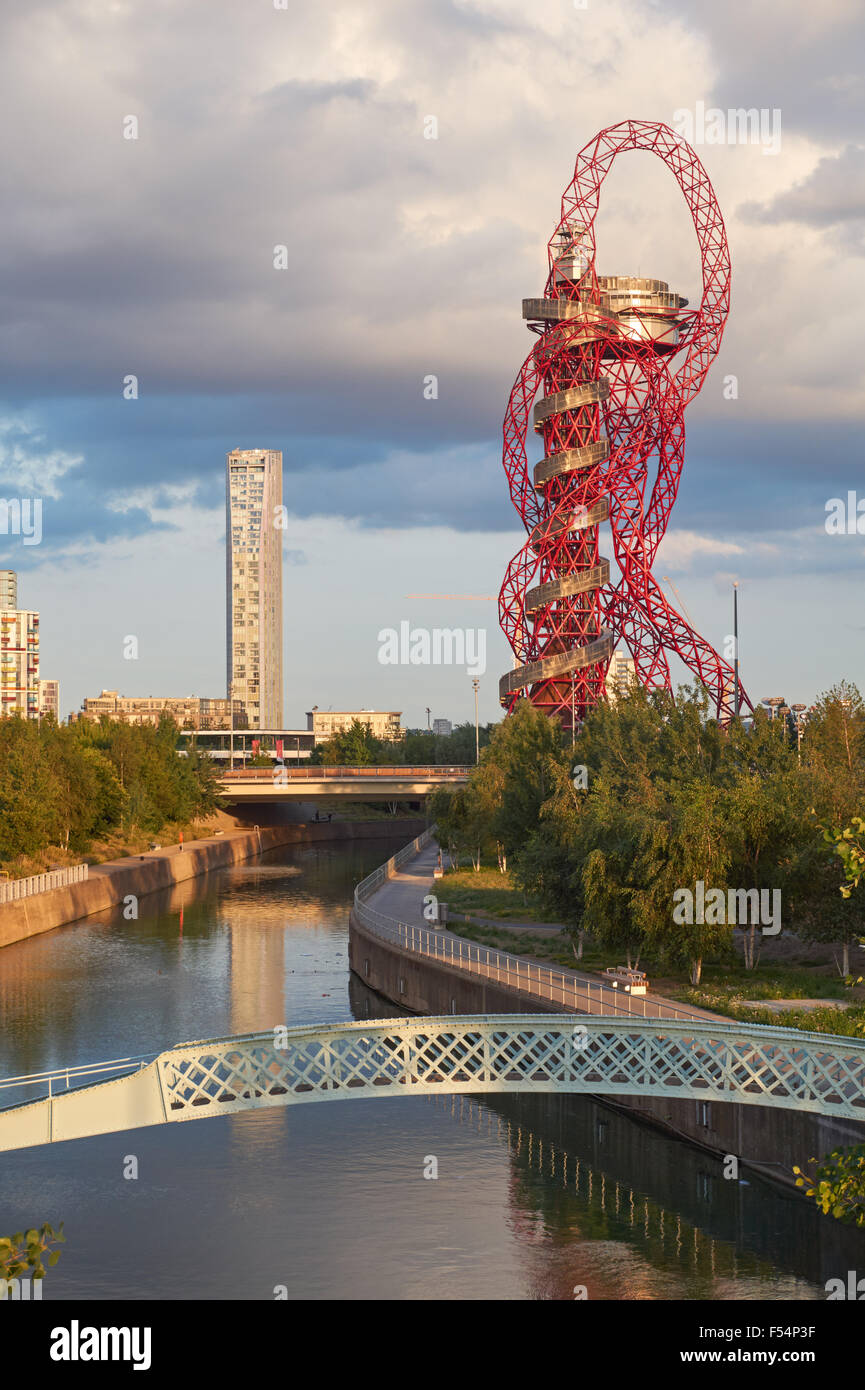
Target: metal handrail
x=77, y=1073
x=13, y=889
x=558, y=986
x=701, y=1059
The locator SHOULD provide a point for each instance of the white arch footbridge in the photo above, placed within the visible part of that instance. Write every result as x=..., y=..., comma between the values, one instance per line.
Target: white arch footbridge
x=503, y=1053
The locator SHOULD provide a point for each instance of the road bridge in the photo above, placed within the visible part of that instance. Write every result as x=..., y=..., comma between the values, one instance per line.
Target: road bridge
x=366, y=783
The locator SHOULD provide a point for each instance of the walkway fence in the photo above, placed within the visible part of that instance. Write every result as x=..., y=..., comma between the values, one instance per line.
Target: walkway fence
x=11, y=889
x=543, y=982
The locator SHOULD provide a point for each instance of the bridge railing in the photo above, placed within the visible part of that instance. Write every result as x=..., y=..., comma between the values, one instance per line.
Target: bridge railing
x=515, y=1052
x=387, y=870
x=48, y=1084
x=541, y=981
x=323, y=773
x=11, y=889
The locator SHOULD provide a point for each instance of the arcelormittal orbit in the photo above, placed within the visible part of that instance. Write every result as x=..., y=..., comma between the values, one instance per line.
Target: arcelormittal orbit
x=616, y=362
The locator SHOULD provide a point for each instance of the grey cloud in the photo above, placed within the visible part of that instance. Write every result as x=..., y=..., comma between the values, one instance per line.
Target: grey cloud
x=801, y=57
x=833, y=195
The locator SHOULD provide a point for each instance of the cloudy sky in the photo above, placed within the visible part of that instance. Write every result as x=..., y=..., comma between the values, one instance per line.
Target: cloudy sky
x=304, y=126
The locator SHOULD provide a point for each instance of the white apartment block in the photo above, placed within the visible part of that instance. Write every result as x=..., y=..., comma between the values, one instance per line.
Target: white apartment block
x=8, y=589
x=622, y=671
x=190, y=711
x=19, y=663
x=49, y=699
x=253, y=499
x=442, y=728
x=384, y=724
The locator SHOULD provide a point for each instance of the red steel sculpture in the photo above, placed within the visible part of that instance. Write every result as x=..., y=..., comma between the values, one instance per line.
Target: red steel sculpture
x=616, y=362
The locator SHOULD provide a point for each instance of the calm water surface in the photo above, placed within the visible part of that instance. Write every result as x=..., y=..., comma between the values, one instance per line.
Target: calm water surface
x=534, y=1197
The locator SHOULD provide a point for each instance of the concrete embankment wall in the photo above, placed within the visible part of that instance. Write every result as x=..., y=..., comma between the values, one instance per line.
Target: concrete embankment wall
x=108, y=884
x=769, y=1140
x=425, y=986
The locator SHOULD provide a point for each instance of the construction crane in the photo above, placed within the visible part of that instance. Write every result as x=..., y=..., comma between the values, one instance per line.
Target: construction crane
x=667, y=580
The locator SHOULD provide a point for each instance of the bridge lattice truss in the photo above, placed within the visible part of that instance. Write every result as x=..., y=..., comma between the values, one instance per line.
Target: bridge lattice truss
x=613, y=393
x=753, y=1065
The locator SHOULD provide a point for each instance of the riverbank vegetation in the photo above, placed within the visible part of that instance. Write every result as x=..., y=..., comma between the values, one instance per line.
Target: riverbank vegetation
x=64, y=788
x=654, y=798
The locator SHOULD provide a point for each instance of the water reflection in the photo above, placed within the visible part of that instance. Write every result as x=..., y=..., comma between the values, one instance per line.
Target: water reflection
x=535, y=1195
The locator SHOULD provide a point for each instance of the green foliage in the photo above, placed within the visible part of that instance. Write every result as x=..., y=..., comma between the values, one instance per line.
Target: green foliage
x=834, y=736
x=654, y=796
x=500, y=806
x=358, y=746
x=849, y=845
x=353, y=747
x=24, y=1253
x=66, y=785
x=837, y=1184
x=516, y=775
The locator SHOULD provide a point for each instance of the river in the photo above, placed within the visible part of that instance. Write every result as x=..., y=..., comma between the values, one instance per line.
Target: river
x=535, y=1197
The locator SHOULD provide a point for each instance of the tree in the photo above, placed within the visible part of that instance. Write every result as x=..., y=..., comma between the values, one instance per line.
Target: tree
x=837, y=1184
x=88, y=791
x=834, y=735
x=64, y=785
x=688, y=843
x=835, y=874
x=457, y=749
x=25, y=1250
x=355, y=746
x=849, y=845
x=481, y=802
x=416, y=750
x=767, y=819
x=550, y=865
x=517, y=774
x=30, y=813
x=447, y=810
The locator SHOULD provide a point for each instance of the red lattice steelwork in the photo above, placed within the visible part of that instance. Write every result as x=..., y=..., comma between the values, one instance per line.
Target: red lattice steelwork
x=617, y=360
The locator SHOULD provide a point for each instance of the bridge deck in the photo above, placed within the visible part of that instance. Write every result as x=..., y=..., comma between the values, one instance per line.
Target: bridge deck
x=366, y=783
x=505, y=1053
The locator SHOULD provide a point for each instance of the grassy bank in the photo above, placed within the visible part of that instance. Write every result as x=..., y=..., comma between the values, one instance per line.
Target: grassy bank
x=726, y=988
x=119, y=845
x=489, y=893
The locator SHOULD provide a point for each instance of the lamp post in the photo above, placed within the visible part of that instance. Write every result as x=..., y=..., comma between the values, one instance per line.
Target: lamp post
x=476, y=684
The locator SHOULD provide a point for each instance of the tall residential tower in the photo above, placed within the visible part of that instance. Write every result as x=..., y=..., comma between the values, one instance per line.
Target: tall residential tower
x=253, y=502
x=8, y=589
